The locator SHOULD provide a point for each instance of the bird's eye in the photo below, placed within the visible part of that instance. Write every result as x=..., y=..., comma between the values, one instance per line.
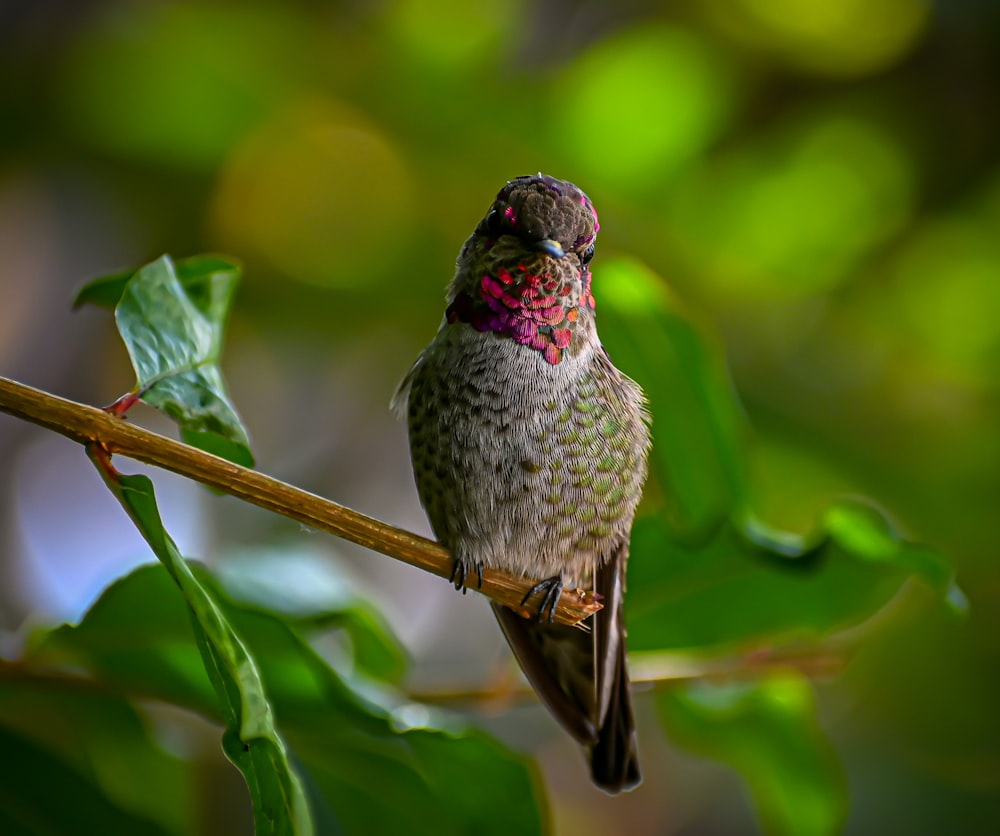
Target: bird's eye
x=494, y=223
x=586, y=256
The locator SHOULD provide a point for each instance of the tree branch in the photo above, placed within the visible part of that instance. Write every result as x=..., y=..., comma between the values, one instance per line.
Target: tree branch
x=660, y=670
x=85, y=424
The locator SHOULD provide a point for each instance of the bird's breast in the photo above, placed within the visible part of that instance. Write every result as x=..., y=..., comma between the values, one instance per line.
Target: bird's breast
x=525, y=465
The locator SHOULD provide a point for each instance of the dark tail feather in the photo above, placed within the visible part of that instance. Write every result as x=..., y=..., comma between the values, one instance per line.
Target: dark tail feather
x=558, y=661
x=614, y=759
x=582, y=677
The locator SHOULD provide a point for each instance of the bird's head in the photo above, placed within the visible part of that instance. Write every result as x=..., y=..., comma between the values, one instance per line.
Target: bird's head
x=524, y=272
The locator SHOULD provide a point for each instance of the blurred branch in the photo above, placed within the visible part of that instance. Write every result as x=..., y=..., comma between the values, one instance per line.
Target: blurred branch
x=86, y=424
x=650, y=671
x=657, y=670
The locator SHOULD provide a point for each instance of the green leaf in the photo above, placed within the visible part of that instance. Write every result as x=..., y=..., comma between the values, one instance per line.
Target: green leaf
x=102, y=747
x=423, y=782
x=172, y=320
x=305, y=587
x=697, y=427
x=138, y=638
x=750, y=584
x=767, y=731
x=199, y=275
x=250, y=741
x=104, y=291
x=368, y=768
x=374, y=652
x=174, y=335
x=704, y=572
x=41, y=793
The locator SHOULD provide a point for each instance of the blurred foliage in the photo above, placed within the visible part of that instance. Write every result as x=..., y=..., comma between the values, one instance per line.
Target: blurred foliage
x=369, y=771
x=251, y=740
x=767, y=730
x=818, y=181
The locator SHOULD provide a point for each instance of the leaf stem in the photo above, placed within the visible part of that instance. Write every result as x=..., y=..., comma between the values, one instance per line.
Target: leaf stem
x=90, y=425
x=124, y=403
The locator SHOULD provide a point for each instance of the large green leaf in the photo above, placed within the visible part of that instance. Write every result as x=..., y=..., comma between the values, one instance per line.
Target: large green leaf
x=172, y=321
x=251, y=740
x=369, y=768
x=767, y=731
x=101, y=737
x=302, y=586
x=748, y=584
x=703, y=571
x=424, y=781
x=86, y=740
x=41, y=793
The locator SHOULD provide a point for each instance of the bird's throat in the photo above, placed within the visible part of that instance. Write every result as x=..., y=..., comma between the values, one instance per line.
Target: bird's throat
x=538, y=311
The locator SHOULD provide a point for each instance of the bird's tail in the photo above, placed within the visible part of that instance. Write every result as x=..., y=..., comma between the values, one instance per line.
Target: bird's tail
x=614, y=759
x=582, y=678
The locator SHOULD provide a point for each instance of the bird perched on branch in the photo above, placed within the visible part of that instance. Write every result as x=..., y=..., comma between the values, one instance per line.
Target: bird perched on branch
x=529, y=452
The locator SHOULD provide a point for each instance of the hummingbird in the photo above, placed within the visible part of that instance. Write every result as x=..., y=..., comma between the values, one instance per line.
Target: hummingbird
x=529, y=453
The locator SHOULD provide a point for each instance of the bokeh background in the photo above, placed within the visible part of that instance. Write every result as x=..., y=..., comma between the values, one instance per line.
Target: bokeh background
x=819, y=183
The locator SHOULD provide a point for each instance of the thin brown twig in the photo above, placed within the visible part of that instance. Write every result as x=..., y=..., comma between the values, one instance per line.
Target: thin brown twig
x=86, y=424
x=658, y=670
x=650, y=672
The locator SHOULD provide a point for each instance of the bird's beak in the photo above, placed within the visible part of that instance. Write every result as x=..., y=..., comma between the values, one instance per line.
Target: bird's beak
x=551, y=247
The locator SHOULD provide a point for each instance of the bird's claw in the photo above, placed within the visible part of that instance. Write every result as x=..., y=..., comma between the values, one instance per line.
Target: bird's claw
x=552, y=589
x=460, y=570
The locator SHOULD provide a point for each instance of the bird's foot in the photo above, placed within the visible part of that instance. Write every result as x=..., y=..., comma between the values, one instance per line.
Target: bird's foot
x=551, y=589
x=460, y=571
